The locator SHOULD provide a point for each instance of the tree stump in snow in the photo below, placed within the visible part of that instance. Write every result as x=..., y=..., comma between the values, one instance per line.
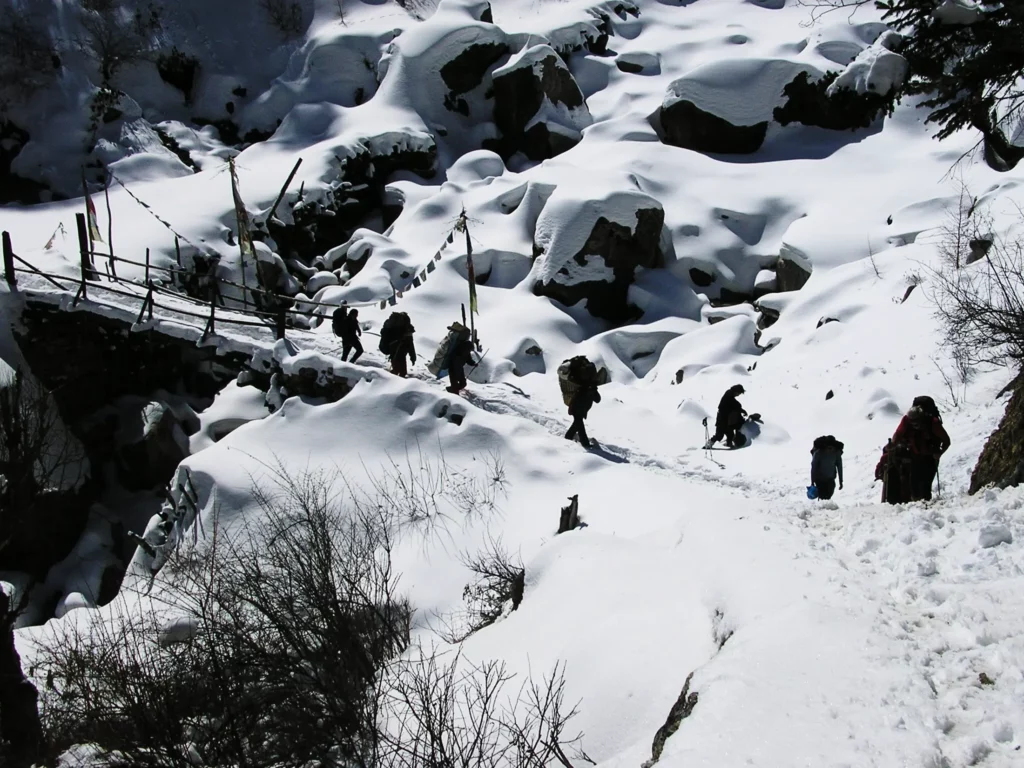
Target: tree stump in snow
x=570, y=517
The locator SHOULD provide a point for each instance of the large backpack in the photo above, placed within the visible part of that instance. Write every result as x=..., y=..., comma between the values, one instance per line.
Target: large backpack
x=393, y=327
x=826, y=441
x=456, y=333
x=338, y=321
x=573, y=374
x=927, y=405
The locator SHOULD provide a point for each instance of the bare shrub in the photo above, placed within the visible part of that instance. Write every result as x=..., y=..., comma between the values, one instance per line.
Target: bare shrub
x=116, y=33
x=496, y=590
x=286, y=16
x=439, y=714
x=979, y=290
x=260, y=647
x=28, y=57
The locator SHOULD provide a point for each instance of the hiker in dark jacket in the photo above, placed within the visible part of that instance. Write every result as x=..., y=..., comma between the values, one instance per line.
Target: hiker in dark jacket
x=459, y=356
x=826, y=464
x=730, y=418
x=579, y=407
x=401, y=348
x=925, y=439
x=350, y=333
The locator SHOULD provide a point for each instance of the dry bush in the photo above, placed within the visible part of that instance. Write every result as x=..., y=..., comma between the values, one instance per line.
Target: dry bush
x=285, y=16
x=28, y=56
x=499, y=580
x=979, y=290
x=116, y=33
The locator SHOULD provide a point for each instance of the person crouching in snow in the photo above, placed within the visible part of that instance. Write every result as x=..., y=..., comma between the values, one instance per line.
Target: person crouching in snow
x=730, y=418
x=826, y=463
x=457, y=360
x=579, y=407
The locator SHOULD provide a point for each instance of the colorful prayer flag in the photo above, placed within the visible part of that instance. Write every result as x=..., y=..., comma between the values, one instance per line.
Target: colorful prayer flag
x=241, y=215
x=90, y=214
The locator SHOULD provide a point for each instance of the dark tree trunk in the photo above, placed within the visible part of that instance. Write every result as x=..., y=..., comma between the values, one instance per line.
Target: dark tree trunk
x=21, y=734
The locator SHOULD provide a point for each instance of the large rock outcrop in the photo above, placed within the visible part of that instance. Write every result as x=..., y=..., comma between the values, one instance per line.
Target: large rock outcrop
x=725, y=107
x=538, y=107
x=589, y=244
x=1001, y=462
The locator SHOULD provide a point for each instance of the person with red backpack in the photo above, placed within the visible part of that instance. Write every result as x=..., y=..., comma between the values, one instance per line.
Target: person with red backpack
x=923, y=439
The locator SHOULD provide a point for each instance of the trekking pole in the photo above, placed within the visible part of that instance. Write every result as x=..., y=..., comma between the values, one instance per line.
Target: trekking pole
x=938, y=481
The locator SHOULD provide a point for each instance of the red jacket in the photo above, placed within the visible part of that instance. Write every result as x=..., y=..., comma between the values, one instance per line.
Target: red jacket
x=923, y=436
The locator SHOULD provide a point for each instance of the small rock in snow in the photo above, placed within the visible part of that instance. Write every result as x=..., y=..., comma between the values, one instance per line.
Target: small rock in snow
x=993, y=535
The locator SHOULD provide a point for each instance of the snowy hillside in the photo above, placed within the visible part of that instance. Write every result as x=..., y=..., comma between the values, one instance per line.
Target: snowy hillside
x=631, y=195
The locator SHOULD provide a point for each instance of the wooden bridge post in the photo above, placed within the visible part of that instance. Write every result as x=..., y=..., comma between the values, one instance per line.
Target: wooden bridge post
x=12, y=278
x=83, y=248
x=279, y=323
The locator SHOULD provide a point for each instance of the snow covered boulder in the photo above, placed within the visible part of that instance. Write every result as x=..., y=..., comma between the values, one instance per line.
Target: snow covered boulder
x=793, y=269
x=538, y=106
x=852, y=99
x=725, y=107
x=1001, y=462
x=590, y=241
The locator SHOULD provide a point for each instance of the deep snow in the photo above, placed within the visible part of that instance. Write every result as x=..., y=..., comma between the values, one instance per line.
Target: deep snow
x=858, y=631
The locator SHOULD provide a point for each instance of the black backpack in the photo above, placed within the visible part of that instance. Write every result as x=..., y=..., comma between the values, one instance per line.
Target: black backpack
x=582, y=370
x=392, y=329
x=338, y=321
x=927, y=405
x=827, y=441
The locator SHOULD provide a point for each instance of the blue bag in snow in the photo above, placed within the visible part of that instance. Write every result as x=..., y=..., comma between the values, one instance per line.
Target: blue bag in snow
x=812, y=492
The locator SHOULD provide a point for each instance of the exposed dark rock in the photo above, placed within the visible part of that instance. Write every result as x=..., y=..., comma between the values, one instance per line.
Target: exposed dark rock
x=15, y=188
x=700, y=278
x=808, y=103
x=681, y=710
x=467, y=70
x=979, y=249
x=768, y=317
x=999, y=153
x=231, y=134
x=148, y=459
x=829, y=395
x=790, y=275
x=826, y=320
x=727, y=297
x=319, y=226
x=630, y=67
x=519, y=95
x=171, y=143
x=623, y=251
x=178, y=70
x=684, y=124
x=1001, y=462
x=21, y=733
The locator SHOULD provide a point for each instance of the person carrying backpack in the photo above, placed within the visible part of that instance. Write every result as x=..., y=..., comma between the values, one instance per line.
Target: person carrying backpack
x=731, y=416
x=582, y=401
x=826, y=464
x=459, y=355
x=923, y=437
x=350, y=333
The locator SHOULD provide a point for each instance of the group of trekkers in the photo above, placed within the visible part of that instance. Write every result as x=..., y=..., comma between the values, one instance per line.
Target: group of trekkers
x=907, y=468
x=909, y=461
x=397, y=343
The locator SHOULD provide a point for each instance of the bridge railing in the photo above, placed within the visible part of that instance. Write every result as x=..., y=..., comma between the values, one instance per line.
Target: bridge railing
x=275, y=316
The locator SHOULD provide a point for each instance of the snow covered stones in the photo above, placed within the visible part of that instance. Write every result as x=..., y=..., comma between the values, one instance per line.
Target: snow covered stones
x=538, y=107
x=725, y=107
x=589, y=242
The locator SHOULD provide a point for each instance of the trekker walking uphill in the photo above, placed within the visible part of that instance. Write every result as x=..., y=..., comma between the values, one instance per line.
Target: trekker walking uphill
x=910, y=461
x=578, y=378
x=460, y=354
x=396, y=341
x=826, y=464
x=346, y=326
x=731, y=416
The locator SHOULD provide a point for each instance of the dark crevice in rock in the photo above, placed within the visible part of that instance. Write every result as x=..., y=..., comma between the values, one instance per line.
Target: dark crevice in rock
x=179, y=71
x=231, y=134
x=681, y=710
x=180, y=152
x=467, y=70
x=15, y=188
x=807, y=102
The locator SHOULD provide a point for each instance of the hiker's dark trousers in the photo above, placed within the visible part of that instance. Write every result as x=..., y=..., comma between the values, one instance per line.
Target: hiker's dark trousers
x=826, y=488
x=347, y=345
x=457, y=378
x=922, y=475
x=578, y=428
x=729, y=435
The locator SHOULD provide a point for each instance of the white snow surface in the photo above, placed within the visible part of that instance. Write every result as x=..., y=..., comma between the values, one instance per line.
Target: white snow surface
x=857, y=633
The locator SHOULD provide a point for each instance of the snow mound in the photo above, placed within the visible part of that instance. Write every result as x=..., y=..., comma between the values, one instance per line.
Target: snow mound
x=877, y=69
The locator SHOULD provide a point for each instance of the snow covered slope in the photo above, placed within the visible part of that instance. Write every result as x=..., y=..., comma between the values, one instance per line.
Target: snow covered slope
x=845, y=633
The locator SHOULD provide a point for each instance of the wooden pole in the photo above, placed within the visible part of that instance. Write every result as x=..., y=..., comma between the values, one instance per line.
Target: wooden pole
x=237, y=200
x=110, y=228
x=177, y=251
x=12, y=277
x=147, y=266
x=471, y=275
x=284, y=189
x=83, y=246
